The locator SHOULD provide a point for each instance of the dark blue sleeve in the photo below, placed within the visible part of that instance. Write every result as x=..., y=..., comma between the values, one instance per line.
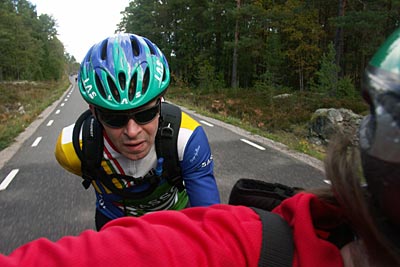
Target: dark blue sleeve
x=197, y=170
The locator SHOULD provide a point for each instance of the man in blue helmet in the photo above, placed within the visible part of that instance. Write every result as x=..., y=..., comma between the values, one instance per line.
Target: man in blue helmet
x=123, y=79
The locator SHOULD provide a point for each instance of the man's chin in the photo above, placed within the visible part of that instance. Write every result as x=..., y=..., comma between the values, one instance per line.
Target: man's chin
x=135, y=155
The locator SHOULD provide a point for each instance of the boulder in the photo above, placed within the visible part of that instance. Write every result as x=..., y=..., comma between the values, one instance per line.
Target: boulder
x=327, y=122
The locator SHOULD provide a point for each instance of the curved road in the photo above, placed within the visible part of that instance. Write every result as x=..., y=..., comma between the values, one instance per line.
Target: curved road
x=40, y=199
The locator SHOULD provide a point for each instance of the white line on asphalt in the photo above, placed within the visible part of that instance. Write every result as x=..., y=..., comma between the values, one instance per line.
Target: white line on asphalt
x=252, y=144
x=8, y=179
x=36, y=141
x=65, y=100
x=58, y=111
x=206, y=123
x=50, y=123
x=327, y=181
x=62, y=104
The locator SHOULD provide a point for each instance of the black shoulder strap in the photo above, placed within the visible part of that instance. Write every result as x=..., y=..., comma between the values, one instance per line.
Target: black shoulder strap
x=166, y=143
x=91, y=152
x=277, y=240
x=76, y=132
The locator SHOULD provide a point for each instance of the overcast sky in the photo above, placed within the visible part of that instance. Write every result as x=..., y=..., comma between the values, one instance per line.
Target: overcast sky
x=82, y=23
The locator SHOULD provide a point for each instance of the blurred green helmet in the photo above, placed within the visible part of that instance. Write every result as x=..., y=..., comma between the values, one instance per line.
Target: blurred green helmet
x=380, y=131
x=380, y=134
x=123, y=72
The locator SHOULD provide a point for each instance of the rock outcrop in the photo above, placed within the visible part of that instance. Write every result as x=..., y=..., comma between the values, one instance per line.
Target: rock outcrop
x=327, y=122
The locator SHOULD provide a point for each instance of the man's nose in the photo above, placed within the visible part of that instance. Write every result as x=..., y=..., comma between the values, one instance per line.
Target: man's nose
x=132, y=128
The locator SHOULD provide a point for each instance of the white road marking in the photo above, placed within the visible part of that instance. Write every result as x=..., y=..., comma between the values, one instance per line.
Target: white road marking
x=8, y=179
x=50, y=123
x=58, y=111
x=36, y=141
x=62, y=104
x=327, y=181
x=252, y=144
x=206, y=123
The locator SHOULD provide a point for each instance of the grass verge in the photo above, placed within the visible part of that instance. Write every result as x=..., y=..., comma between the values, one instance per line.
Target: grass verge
x=21, y=102
x=277, y=115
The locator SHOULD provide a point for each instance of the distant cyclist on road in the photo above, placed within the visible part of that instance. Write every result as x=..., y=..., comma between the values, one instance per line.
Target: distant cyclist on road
x=139, y=153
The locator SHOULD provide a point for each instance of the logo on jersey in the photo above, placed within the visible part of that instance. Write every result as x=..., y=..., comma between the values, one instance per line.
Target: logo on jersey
x=207, y=162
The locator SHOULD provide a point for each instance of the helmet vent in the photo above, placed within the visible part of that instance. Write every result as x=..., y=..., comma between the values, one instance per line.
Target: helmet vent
x=99, y=86
x=104, y=50
x=122, y=80
x=135, y=47
x=132, y=87
x=114, y=89
x=151, y=47
x=164, y=76
x=145, y=83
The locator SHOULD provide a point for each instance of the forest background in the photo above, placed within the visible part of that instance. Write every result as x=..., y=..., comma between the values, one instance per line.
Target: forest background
x=230, y=59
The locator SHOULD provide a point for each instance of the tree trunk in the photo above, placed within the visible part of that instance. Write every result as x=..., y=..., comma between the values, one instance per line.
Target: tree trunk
x=235, y=55
x=339, y=38
x=301, y=79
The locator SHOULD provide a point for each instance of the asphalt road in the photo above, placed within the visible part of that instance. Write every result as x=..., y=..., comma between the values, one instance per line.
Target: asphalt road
x=40, y=199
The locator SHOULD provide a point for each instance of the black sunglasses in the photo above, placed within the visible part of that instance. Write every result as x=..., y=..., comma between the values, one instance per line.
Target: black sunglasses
x=120, y=119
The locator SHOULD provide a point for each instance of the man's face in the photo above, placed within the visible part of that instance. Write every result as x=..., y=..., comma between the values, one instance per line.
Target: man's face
x=132, y=133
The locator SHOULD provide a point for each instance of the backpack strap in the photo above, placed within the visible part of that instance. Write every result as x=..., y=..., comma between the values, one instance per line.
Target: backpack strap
x=277, y=240
x=91, y=152
x=166, y=144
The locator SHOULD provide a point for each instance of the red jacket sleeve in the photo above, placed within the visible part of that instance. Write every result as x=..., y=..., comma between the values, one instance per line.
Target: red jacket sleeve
x=220, y=235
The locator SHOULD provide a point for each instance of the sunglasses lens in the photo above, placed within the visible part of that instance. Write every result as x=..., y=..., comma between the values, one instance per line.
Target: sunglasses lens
x=118, y=120
x=114, y=120
x=146, y=116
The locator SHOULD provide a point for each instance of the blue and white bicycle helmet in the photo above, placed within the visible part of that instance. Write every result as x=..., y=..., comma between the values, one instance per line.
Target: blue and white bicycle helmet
x=123, y=72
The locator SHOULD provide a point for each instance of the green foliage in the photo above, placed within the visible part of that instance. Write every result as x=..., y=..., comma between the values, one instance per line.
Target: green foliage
x=29, y=47
x=207, y=78
x=346, y=89
x=328, y=81
x=72, y=65
x=280, y=42
x=327, y=75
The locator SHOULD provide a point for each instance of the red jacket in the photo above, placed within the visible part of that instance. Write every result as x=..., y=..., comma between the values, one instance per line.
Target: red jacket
x=220, y=235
